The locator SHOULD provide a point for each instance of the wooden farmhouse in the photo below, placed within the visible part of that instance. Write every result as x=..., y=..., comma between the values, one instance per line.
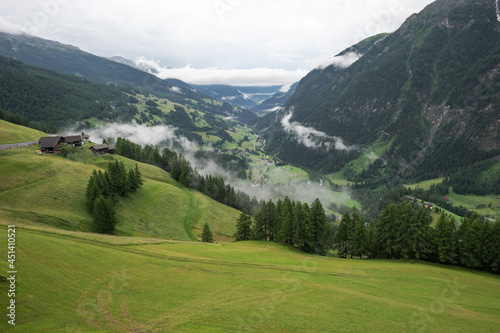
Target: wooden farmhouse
x=75, y=140
x=50, y=144
x=102, y=149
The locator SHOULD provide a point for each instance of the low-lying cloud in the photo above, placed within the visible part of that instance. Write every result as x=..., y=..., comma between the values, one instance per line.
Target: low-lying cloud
x=143, y=135
x=312, y=138
x=212, y=75
x=342, y=61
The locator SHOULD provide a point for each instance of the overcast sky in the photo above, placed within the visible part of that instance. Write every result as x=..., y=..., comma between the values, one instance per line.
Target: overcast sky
x=212, y=41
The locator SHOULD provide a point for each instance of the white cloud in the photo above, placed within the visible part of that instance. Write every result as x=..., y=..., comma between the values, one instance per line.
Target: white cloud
x=239, y=77
x=142, y=135
x=286, y=88
x=277, y=40
x=311, y=137
x=342, y=61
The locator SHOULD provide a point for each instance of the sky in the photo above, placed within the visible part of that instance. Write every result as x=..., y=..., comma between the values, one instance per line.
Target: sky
x=239, y=42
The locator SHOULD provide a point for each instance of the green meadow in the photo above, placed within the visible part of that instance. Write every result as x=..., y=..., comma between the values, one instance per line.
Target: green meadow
x=72, y=282
x=50, y=190
x=10, y=133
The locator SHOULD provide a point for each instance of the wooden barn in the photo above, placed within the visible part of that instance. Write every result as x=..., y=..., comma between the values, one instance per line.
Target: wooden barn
x=102, y=149
x=50, y=144
x=75, y=140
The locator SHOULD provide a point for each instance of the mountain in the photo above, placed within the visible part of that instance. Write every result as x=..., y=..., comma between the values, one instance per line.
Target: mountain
x=67, y=59
x=245, y=97
x=226, y=93
x=420, y=102
x=277, y=100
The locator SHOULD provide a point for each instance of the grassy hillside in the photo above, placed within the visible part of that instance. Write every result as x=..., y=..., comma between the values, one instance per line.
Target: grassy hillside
x=50, y=190
x=99, y=285
x=10, y=133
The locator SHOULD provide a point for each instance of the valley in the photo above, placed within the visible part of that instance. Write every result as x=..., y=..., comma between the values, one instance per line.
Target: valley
x=364, y=197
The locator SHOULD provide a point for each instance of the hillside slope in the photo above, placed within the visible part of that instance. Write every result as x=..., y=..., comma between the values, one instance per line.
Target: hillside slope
x=430, y=92
x=10, y=133
x=101, y=284
x=68, y=59
x=50, y=190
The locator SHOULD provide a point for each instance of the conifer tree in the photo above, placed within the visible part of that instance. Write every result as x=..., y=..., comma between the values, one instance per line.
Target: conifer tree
x=343, y=235
x=104, y=215
x=494, y=264
x=318, y=222
x=358, y=237
x=206, y=235
x=243, y=227
x=443, y=240
x=286, y=230
x=470, y=252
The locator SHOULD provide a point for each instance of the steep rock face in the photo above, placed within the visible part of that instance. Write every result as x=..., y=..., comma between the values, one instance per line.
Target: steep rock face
x=430, y=88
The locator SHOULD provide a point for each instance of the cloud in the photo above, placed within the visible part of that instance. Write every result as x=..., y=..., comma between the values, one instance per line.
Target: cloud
x=311, y=137
x=342, y=61
x=212, y=75
x=143, y=135
x=286, y=88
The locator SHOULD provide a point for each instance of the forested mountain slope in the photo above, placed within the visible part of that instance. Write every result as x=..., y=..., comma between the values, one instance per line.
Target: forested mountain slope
x=429, y=93
x=67, y=59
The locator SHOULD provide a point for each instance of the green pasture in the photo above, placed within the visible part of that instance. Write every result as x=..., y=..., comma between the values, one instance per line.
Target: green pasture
x=68, y=284
x=10, y=133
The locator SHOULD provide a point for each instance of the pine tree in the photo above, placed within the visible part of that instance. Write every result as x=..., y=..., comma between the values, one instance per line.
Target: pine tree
x=286, y=230
x=278, y=220
x=419, y=240
x=243, y=227
x=343, y=235
x=318, y=222
x=358, y=237
x=494, y=265
x=132, y=183
x=104, y=215
x=92, y=191
x=206, y=235
x=470, y=252
x=371, y=237
x=138, y=176
x=301, y=228
x=444, y=241
x=387, y=232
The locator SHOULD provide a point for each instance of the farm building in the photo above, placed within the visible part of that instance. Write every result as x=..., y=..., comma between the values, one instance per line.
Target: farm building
x=102, y=149
x=75, y=140
x=50, y=144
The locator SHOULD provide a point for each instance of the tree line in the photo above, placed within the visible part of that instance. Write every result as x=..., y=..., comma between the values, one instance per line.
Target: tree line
x=104, y=189
x=405, y=232
x=303, y=226
x=181, y=170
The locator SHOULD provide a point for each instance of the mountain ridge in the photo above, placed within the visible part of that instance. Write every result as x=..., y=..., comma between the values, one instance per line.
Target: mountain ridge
x=432, y=86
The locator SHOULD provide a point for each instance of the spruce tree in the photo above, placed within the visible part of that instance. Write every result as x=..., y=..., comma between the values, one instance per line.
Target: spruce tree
x=243, y=227
x=206, y=235
x=443, y=240
x=318, y=222
x=358, y=237
x=104, y=215
x=343, y=235
x=286, y=230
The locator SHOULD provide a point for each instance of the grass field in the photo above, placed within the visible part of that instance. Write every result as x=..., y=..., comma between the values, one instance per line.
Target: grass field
x=480, y=204
x=426, y=184
x=50, y=190
x=10, y=133
x=69, y=282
